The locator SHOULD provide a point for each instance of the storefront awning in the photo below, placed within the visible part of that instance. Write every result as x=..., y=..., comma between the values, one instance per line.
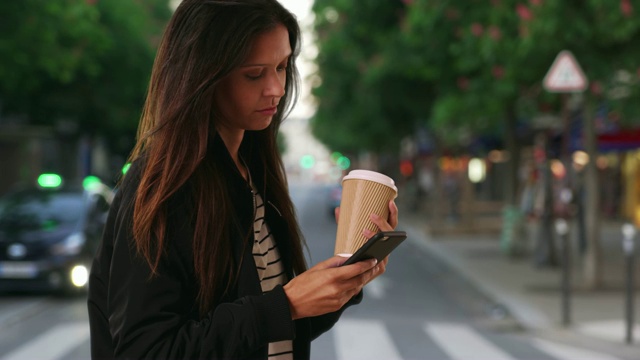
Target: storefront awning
x=622, y=140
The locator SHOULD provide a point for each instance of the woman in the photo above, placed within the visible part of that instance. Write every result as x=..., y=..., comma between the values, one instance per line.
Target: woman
x=202, y=255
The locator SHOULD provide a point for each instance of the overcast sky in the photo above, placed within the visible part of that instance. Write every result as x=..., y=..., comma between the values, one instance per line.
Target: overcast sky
x=302, y=9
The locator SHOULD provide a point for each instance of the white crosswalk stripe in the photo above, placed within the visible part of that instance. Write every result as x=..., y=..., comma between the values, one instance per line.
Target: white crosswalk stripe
x=53, y=344
x=370, y=339
x=461, y=342
x=364, y=339
x=353, y=339
x=564, y=352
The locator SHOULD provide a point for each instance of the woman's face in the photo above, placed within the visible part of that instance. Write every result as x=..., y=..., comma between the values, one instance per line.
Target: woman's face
x=247, y=98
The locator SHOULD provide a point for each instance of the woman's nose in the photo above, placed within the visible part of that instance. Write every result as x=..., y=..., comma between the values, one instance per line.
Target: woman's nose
x=275, y=85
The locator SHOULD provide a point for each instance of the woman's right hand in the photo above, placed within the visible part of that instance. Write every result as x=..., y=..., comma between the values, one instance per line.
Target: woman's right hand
x=327, y=286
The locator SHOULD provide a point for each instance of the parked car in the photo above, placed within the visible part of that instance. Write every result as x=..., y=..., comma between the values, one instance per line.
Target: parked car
x=49, y=233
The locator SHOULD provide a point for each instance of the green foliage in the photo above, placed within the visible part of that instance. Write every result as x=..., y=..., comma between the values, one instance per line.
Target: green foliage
x=457, y=66
x=361, y=102
x=37, y=43
x=87, y=61
x=496, y=53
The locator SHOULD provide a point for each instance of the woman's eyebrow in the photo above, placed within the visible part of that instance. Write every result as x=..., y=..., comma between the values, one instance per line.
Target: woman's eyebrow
x=264, y=64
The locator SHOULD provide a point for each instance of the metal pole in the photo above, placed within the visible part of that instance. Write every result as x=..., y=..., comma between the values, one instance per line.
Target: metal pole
x=592, y=258
x=629, y=232
x=563, y=230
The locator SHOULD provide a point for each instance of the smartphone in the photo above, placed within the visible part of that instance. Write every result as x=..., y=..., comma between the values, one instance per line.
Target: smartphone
x=379, y=246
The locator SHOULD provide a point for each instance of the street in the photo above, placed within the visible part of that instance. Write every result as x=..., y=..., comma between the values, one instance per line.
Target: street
x=419, y=309
x=43, y=327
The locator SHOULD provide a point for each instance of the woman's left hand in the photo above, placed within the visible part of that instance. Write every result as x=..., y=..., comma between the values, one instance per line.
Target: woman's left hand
x=383, y=225
x=388, y=224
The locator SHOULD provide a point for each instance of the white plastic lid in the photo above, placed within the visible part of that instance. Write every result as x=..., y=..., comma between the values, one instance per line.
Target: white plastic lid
x=371, y=176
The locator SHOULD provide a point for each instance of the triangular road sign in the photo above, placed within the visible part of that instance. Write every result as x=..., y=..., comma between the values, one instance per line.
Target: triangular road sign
x=565, y=75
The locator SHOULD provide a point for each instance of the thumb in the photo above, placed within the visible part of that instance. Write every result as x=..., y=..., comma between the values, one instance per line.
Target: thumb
x=331, y=262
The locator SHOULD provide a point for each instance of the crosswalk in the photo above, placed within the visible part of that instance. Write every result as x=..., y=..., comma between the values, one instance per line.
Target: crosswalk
x=353, y=339
x=461, y=342
x=53, y=344
x=368, y=339
x=564, y=352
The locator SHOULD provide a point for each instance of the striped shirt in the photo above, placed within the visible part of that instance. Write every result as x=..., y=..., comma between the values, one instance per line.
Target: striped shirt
x=270, y=270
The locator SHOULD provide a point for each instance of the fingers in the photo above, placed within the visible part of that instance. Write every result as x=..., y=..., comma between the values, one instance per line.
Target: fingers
x=352, y=278
x=325, y=288
x=381, y=266
x=370, y=275
x=332, y=262
x=357, y=269
x=336, y=212
x=377, y=270
x=393, y=214
x=347, y=271
x=381, y=223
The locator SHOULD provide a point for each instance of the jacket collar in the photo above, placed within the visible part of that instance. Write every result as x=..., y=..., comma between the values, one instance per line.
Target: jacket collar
x=242, y=201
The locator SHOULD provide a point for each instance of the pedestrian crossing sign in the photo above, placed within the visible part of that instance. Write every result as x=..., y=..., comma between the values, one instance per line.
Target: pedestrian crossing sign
x=565, y=75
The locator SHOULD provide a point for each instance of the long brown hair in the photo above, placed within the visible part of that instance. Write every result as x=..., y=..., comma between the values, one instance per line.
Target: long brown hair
x=203, y=42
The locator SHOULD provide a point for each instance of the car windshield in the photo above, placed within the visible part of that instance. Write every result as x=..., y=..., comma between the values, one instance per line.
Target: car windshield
x=41, y=208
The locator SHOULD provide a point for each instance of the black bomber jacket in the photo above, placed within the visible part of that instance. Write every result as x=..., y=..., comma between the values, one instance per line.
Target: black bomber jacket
x=135, y=316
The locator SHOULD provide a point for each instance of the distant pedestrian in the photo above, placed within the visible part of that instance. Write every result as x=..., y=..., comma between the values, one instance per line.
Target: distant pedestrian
x=452, y=190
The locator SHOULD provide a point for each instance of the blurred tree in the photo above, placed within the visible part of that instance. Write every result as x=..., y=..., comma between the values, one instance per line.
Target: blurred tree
x=494, y=54
x=361, y=106
x=487, y=59
x=467, y=66
x=81, y=61
x=37, y=44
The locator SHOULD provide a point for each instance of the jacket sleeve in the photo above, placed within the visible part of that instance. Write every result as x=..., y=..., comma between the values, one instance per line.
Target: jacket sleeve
x=153, y=317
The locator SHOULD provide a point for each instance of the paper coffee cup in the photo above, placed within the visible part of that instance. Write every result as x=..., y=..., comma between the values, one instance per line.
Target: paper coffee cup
x=364, y=193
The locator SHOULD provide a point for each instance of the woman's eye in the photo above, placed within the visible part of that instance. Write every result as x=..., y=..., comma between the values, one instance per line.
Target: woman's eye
x=253, y=76
x=282, y=68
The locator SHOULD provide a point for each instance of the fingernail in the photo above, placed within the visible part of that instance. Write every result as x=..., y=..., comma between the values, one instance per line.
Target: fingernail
x=375, y=216
x=374, y=262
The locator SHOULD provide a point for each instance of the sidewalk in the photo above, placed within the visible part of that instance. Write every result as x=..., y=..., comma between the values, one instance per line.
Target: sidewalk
x=533, y=296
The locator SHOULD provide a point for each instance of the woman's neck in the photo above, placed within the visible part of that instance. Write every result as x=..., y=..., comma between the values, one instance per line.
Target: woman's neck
x=232, y=140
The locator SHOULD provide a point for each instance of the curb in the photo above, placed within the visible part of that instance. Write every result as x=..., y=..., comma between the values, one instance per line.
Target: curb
x=530, y=319
x=527, y=316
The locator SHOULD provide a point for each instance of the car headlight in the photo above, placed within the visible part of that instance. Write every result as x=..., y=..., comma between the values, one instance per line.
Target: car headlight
x=72, y=245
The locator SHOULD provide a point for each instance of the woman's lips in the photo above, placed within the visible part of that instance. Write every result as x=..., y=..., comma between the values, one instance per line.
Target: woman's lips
x=268, y=111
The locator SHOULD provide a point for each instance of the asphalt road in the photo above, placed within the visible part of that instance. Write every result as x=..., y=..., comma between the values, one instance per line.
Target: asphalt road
x=419, y=309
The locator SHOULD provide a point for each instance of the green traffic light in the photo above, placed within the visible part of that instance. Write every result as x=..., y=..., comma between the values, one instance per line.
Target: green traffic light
x=90, y=182
x=49, y=180
x=307, y=162
x=343, y=162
